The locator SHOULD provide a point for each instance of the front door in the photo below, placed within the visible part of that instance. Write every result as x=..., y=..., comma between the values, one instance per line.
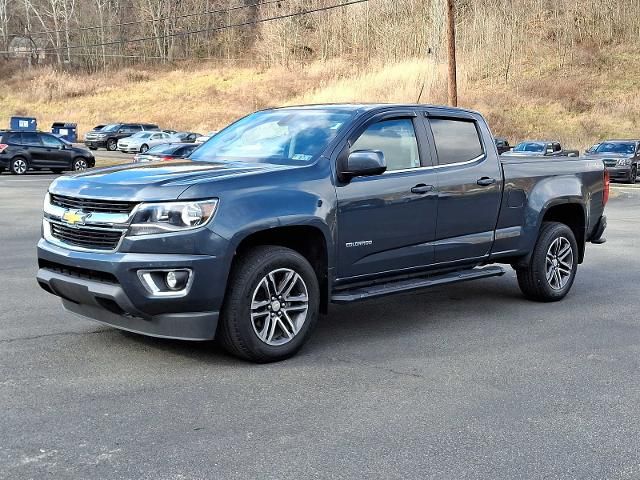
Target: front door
x=386, y=222
x=470, y=188
x=54, y=153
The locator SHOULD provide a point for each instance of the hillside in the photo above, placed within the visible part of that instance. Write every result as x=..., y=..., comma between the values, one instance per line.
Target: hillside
x=597, y=98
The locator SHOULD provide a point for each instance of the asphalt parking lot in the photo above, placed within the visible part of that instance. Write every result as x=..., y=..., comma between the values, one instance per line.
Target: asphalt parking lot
x=467, y=381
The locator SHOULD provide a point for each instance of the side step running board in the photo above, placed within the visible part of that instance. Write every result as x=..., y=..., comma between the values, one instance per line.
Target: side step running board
x=407, y=285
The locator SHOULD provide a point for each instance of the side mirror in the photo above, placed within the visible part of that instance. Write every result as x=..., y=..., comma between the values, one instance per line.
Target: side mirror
x=362, y=163
x=61, y=146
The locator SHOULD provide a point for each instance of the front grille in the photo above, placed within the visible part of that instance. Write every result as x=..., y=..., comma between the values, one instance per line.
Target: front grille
x=92, y=238
x=610, y=163
x=92, y=205
x=77, y=272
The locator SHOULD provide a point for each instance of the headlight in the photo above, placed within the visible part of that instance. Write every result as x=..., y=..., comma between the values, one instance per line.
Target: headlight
x=150, y=218
x=623, y=162
x=101, y=135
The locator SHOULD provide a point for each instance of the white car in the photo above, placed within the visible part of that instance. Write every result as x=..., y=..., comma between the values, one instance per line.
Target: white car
x=143, y=141
x=205, y=137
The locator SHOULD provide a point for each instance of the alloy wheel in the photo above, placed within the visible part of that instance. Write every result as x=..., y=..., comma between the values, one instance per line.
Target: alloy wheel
x=559, y=263
x=80, y=164
x=19, y=166
x=279, y=306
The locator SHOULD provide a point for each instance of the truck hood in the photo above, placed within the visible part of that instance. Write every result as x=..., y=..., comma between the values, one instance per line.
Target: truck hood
x=155, y=181
x=609, y=155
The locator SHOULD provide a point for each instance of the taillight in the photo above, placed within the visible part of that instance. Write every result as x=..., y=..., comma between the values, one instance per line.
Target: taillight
x=605, y=195
x=166, y=158
x=3, y=147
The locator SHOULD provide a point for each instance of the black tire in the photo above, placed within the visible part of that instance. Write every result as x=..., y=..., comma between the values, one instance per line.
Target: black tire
x=633, y=174
x=144, y=147
x=19, y=165
x=237, y=332
x=533, y=280
x=79, y=164
x=112, y=144
x=1, y=170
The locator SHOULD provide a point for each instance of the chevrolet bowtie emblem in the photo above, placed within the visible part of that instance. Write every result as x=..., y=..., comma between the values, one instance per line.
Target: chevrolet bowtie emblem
x=75, y=217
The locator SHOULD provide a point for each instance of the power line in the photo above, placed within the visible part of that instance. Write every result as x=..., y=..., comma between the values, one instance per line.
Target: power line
x=204, y=30
x=159, y=19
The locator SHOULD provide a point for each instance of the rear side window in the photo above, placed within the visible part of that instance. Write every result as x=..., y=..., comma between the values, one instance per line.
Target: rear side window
x=456, y=140
x=184, y=151
x=31, y=139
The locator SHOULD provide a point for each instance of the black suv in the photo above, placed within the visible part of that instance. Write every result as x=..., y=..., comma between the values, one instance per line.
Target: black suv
x=21, y=151
x=108, y=136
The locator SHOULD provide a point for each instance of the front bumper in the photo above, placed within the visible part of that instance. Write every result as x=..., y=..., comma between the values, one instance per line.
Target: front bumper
x=96, y=143
x=129, y=149
x=106, y=287
x=619, y=173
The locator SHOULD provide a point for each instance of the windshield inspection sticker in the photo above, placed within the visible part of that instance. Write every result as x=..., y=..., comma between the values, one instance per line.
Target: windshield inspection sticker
x=301, y=156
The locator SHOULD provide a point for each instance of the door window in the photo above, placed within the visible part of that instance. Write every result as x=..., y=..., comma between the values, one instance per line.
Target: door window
x=31, y=139
x=456, y=140
x=50, y=141
x=396, y=139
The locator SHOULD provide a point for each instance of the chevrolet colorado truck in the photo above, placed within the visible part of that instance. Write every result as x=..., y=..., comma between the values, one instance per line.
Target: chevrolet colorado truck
x=288, y=210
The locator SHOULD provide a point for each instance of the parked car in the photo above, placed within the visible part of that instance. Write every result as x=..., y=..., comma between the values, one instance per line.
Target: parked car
x=142, y=141
x=109, y=135
x=21, y=151
x=502, y=144
x=169, y=131
x=187, y=137
x=168, y=151
x=620, y=157
x=288, y=210
x=534, y=148
x=206, y=136
x=591, y=149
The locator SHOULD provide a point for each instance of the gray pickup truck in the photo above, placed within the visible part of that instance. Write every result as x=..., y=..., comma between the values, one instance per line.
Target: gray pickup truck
x=288, y=210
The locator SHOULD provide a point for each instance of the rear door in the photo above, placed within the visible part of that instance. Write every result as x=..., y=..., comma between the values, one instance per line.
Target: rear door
x=470, y=186
x=31, y=142
x=386, y=222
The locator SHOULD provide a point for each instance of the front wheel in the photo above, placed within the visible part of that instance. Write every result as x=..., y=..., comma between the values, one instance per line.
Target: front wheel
x=79, y=164
x=112, y=145
x=144, y=148
x=633, y=174
x=271, y=305
x=552, y=268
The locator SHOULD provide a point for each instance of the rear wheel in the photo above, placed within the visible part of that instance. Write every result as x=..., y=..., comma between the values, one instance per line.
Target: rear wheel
x=271, y=305
x=553, y=265
x=112, y=145
x=19, y=166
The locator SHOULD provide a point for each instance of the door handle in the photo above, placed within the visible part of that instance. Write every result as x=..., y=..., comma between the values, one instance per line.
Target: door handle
x=421, y=189
x=486, y=181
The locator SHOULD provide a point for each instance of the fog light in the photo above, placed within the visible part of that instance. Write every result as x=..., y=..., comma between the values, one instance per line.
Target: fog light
x=177, y=279
x=165, y=282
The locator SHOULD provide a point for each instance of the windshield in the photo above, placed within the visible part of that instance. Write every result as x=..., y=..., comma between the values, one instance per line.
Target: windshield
x=290, y=137
x=164, y=148
x=112, y=127
x=617, y=147
x=529, y=147
x=141, y=135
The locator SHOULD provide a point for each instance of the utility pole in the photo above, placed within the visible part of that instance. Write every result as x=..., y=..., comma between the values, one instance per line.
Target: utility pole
x=451, y=53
